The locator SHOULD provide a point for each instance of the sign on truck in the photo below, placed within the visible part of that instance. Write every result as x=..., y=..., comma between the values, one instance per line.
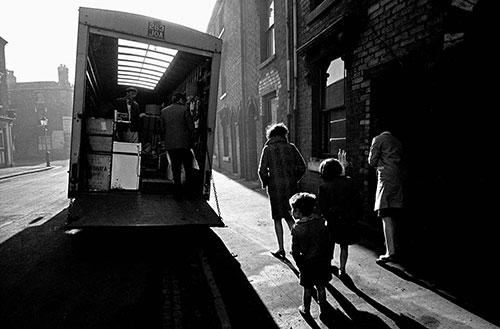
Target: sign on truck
x=117, y=182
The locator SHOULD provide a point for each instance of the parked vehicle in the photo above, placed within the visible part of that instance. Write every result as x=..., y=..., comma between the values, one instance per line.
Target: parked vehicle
x=116, y=183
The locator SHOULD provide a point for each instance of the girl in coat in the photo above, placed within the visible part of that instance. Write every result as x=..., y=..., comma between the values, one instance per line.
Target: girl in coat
x=339, y=202
x=385, y=156
x=280, y=169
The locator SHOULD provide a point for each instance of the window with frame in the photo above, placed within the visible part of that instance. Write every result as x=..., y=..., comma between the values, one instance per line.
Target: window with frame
x=41, y=143
x=333, y=110
x=270, y=109
x=225, y=131
x=2, y=140
x=223, y=79
x=269, y=44
x=225, y=134
x=40, y=97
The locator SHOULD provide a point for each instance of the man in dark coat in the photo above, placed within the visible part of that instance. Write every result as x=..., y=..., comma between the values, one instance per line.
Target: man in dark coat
x=128, y=129
x=178, y=126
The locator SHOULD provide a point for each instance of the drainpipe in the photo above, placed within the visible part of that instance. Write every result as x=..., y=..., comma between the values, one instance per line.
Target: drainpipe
x=244, y=165
x=289, y=112
x=295, y=87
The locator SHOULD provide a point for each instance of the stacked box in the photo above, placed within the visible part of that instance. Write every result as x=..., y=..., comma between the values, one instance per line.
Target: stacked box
x=99, y=173
x=99, y=132
x=99, y=126
x=101, y=143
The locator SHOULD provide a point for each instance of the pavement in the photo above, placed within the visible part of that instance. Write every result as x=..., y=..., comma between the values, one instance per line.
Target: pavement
x=23, y=170
x=373, y=296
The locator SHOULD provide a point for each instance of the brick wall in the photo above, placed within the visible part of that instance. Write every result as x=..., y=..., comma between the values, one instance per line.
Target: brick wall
x=387, y=31
x=250, y=79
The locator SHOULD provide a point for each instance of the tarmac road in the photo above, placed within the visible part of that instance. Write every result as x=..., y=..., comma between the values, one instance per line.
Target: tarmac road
x=31, y=199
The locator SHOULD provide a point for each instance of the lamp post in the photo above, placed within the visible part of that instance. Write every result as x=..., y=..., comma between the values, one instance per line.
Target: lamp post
x=44, y=121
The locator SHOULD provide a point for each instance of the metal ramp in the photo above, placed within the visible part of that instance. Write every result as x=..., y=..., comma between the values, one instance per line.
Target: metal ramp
x=136, y=209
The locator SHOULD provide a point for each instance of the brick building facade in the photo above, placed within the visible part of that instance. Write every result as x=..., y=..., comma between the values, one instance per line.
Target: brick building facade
x=33, y=101
x=408, y=65
x=254, y=86
x=342, y=69
x=6, y=115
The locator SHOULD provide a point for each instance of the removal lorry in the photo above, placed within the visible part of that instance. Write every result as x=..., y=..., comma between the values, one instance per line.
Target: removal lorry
x=115, y=181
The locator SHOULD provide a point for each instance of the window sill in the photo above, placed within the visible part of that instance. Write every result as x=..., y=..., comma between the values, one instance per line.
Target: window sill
x=313, y=164
x=266, y=62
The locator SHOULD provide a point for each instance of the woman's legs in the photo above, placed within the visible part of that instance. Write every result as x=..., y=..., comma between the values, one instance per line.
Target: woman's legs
x=278, y=227
x=290, y=222
x=388, y=226
x=321, y=297
x=306, y=300
x=344, y=253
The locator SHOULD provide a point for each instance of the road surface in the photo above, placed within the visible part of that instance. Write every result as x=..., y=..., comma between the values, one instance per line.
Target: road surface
x=32, y=199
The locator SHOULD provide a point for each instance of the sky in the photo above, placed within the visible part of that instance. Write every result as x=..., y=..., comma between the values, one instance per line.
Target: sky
x=41, y=34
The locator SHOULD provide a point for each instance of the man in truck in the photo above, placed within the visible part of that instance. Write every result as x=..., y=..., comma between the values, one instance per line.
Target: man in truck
x=178, y=126
x=128, y=117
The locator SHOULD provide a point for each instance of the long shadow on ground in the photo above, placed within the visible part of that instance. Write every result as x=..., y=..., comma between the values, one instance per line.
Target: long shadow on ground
x=118, y=278
x=243, y=305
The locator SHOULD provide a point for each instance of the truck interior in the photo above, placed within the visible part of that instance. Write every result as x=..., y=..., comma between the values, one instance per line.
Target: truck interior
x=121, y=177
x=114, y=64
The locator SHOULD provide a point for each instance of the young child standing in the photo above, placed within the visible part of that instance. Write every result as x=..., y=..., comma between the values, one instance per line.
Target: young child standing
x=310, y=250
x=339, y=203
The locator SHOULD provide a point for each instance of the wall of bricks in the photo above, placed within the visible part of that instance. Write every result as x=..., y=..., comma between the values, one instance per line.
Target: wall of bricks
x=408, y=33
x=249, y=80
x=388, y=31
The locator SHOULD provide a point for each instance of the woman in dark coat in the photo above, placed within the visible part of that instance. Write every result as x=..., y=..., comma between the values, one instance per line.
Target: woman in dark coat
x=281, y=168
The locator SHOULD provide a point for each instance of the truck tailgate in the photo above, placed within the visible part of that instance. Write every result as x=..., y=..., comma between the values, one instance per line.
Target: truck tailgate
x=135, y=209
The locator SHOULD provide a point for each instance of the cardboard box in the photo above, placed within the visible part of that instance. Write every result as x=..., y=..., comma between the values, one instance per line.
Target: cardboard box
x=101, y=143
x=99, y=173
x=99, y=126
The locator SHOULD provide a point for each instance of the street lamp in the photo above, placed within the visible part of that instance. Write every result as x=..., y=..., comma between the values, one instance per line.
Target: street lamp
x=44, y=121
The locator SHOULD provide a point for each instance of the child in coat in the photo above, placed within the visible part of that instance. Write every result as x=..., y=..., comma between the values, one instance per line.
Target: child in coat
x=310, y=250
x=339, y=203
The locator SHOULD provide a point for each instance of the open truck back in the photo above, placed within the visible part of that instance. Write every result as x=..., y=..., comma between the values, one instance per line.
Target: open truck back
x=116, y=183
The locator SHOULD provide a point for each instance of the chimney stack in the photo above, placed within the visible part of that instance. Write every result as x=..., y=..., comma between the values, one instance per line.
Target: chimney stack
x=62, y=70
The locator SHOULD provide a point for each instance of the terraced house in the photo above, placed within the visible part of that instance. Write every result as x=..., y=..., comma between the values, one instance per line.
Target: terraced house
x=336, y=70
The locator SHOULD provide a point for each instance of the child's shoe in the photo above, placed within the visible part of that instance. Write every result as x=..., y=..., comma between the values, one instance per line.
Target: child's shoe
x=304, y=311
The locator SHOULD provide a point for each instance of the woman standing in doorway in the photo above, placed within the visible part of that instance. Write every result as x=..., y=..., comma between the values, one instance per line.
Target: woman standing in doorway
x=281, y=168
x=386, y=157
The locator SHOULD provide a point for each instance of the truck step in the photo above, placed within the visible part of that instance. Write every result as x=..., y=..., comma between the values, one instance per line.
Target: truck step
x=149, y=161
x=156, y=186
x=147, y=172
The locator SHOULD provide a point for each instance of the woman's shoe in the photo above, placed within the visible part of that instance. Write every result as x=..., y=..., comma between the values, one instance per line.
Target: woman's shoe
x=386, y=258
x=303, y=311
x=279, y=254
